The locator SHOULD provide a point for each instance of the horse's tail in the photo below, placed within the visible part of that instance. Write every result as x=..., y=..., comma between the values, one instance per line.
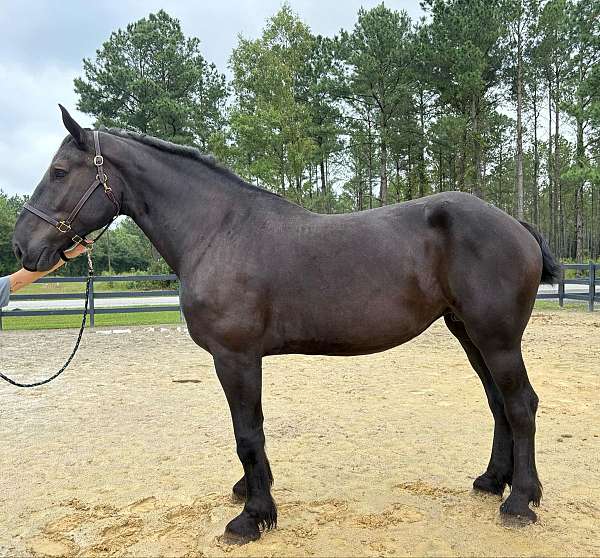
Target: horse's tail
x=550, y=268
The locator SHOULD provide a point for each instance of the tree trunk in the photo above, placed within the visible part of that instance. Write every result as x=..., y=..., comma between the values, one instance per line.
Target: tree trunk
x=383, y=189
x=580, y=154
x=359, y=175
x=462, y=156
x=579, y=223
x=519, y=154
x=476, y=186
x=593, y=224
x=408, y=176
x=500, y=198
x=370, y=164
x=422, y=177
x=398, y=199
x=550, y=172
x=440, y=172
x=536, y=160
x=557, y=184
x=282, y=170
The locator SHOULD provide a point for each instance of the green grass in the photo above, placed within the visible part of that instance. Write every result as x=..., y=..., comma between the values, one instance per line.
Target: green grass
x=570, y=306
x=62, y=288
x=164, y=318
x=102, y=320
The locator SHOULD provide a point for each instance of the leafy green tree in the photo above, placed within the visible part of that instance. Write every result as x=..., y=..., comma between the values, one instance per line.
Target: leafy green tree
x=520, y=19
x=378, y=55
x=582, y=101
x=318, y=94
x=553, y=53
x=271, y=125
x=152, y=79
x=10, y=207
x=465, y=56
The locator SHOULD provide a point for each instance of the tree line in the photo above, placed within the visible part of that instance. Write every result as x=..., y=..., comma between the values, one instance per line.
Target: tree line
x=500, y=99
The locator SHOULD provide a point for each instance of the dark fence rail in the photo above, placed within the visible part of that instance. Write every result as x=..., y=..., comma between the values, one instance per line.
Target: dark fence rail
x=93, y=296
x=586, y=275
x=589, y=295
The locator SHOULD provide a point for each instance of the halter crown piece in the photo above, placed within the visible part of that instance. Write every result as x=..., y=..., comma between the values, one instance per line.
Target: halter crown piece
x=65, y=225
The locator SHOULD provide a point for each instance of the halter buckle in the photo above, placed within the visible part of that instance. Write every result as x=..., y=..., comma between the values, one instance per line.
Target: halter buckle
x=103, y=179
x=77, y=239
x=107, y=188
x=98, y=160
x=63, y=226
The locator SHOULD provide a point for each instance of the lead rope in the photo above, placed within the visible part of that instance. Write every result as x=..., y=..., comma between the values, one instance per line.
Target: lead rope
x=83, y=321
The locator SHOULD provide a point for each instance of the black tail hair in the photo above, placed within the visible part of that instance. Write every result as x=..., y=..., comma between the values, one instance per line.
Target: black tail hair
x=551, y=268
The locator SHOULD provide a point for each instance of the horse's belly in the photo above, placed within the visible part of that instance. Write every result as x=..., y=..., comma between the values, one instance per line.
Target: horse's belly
x=344, y=334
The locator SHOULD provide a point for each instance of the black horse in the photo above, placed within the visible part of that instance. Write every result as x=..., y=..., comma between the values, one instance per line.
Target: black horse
x=262, y=276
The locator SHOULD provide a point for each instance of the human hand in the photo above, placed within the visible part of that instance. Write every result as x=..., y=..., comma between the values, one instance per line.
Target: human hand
x=77, y=250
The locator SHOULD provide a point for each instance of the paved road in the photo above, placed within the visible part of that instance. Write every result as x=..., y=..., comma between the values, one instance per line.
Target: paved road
x=164, y=300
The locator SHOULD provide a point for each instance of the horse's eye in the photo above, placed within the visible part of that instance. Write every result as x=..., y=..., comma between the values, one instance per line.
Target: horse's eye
x=60, y=173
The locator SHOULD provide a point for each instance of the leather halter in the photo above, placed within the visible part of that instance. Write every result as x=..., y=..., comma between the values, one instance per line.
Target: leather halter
x=65, y=225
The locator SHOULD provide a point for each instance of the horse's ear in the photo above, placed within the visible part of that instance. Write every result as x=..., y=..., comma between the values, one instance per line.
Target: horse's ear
x=74, y=129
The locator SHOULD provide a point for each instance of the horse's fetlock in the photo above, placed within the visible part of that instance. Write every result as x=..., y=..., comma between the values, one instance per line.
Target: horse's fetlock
x=263, y=510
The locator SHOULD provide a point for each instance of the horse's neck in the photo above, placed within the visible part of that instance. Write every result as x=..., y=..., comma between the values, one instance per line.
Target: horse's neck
x=181, y=204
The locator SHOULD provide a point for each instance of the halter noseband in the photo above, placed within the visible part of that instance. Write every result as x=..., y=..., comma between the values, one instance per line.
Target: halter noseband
x=65, y=226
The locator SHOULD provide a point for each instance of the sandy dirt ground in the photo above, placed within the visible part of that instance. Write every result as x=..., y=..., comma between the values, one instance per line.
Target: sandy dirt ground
x=131, y=452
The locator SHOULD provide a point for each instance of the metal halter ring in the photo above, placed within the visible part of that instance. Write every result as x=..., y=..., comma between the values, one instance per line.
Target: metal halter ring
x=103, y=179
x=63, y=226
x=98, y=160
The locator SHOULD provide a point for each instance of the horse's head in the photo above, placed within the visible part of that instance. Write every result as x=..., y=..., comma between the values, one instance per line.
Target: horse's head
x=36, y=241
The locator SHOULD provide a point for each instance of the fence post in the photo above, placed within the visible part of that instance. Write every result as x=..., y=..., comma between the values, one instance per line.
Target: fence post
x=181, y=317
x=561, y=286
x=91, y=303
x=592, y=292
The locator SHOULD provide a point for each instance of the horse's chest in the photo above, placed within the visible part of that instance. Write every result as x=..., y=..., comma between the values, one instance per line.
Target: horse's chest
x=232, y=320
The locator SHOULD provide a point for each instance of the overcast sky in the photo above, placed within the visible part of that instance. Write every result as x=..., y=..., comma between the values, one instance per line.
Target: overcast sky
x=43, y=43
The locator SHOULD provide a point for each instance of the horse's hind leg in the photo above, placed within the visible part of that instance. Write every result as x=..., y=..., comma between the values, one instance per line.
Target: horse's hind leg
x=520, y=404
x=241, y=379
x=500, y=467
x=499, y=342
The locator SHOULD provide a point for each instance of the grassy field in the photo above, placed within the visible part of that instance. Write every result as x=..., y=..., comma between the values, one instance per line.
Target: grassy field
x=62, y=288
x=102, y=320
x=163, y=318
x=569, y=306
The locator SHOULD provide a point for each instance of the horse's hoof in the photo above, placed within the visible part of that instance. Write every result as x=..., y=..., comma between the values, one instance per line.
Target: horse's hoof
x=241, y=530
x=521, y=514
x=487, y=483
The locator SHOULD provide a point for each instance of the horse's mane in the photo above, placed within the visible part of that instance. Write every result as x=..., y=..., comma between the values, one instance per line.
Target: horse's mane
x=185, y=151
x=163, y=145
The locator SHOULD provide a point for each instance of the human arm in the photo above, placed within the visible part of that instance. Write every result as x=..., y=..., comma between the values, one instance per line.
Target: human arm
x=22, y=278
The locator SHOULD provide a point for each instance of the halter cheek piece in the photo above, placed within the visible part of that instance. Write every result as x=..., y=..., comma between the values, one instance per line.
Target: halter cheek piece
x=65, y=226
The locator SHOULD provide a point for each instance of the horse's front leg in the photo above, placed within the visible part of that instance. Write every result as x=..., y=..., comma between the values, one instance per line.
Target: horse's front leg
x=241, y=378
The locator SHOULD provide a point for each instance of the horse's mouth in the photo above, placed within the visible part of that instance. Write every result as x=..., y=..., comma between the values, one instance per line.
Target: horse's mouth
x=43, y=262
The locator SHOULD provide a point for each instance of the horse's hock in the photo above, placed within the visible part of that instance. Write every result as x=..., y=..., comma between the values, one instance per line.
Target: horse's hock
x=130, y=451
